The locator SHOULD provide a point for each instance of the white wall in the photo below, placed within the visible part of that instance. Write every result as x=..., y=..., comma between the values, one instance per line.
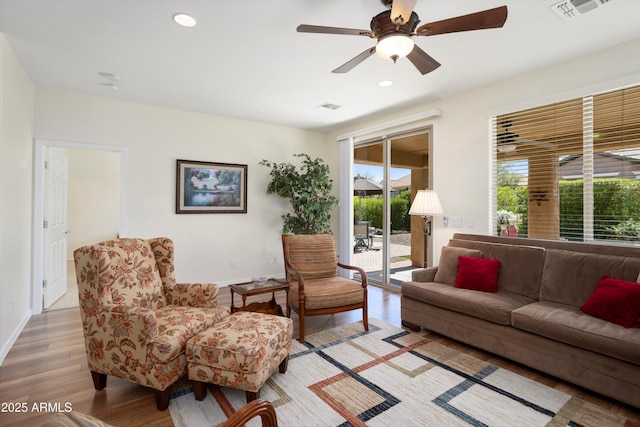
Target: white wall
x=461, y=154
x=94, y=197
x=155, y=138
x=16, y=133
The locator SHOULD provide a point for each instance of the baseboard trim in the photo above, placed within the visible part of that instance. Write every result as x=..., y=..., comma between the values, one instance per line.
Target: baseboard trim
x=14, y=336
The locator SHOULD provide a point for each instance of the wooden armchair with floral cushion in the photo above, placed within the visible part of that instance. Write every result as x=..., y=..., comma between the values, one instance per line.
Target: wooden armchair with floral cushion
x=136, y=319
x=311, y=267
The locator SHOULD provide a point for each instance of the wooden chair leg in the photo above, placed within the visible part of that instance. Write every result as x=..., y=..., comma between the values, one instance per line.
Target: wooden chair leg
x=365, y=318
x=200, y=390
x=284, y=365
x=99, y=380
x=301, y=339
x=252, y=395
x=162, y=399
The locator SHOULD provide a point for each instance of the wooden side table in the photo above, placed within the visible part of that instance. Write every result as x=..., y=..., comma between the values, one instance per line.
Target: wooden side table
x=248, y=289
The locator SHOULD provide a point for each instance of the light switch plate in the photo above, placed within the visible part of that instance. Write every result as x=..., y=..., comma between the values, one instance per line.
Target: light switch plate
x=455, y=221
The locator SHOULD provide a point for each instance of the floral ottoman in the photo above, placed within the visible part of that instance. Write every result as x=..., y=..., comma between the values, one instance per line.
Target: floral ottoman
x=241, y=352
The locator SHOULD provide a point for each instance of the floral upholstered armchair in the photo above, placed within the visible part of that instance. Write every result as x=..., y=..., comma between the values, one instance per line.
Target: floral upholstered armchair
x=136, y=319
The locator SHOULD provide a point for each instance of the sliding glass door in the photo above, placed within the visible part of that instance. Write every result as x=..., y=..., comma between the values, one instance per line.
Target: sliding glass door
x=387, y=173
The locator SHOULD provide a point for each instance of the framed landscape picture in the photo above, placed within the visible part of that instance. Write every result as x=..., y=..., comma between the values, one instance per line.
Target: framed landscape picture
x=206, y=187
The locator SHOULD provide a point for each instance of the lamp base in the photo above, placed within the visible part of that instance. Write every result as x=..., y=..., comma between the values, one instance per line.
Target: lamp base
x=427, y=233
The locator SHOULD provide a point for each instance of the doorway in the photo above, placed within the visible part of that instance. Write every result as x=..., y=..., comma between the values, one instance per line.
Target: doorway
x=96, y=202
x=396, y=150
x=387, y=174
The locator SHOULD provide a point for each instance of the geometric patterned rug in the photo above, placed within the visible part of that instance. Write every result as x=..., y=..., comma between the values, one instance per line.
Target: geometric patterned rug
x=390, y=376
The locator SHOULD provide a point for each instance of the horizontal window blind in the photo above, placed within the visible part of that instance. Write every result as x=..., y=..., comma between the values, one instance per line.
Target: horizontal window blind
x=571, y=170
x=616, y=158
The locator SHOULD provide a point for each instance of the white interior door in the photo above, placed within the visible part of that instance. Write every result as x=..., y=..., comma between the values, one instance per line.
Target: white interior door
x=55, y=226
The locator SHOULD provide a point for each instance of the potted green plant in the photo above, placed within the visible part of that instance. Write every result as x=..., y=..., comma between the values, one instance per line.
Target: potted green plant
x=504, y=219
x=308, y=189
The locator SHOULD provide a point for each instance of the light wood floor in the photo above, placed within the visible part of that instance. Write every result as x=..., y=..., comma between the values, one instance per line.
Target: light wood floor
x=48, y=364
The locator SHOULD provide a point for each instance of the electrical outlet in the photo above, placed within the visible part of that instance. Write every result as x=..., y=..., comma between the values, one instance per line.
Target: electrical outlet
x=233, y=263
x=274, y=260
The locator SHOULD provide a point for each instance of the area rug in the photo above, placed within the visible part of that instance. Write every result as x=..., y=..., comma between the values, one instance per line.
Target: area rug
x=392, y=377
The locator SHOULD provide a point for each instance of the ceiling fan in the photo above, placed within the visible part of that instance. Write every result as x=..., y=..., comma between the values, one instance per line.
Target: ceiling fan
x=506, y=140
x=395, y=28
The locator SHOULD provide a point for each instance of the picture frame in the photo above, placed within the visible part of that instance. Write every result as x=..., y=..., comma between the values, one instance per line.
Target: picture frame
x=208, y=187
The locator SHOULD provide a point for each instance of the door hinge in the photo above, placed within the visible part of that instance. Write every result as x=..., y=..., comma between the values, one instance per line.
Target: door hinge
x=45, y=224
x=44, y=283
x=46, y=164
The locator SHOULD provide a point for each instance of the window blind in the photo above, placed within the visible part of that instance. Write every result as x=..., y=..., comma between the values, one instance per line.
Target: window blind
x=616, y=158
x=571, y=170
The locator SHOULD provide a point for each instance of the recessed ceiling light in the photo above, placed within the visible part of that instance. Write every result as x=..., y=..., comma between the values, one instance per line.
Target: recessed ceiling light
x=184, y=19
x=385, y=83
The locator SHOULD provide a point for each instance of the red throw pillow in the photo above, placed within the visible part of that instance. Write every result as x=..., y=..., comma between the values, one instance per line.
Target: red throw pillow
x=478, y=274
x=616, y=301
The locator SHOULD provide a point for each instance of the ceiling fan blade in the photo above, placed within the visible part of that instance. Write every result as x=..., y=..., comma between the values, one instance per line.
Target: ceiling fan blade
x=332, y=30
x=422, y=60
x=401, y=11
x=491, y=18
x=347, y=66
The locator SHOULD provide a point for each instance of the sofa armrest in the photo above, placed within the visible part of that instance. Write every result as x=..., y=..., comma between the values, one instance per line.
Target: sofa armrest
x=192, y=295
x=424, y=275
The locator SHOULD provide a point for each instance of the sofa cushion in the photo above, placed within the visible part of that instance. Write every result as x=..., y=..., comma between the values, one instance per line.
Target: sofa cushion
x=616, y=301
x=570, y=277
x=478, y=274
x=494, y=307
x=566, y=323
x=448, y=265
x=520, y=266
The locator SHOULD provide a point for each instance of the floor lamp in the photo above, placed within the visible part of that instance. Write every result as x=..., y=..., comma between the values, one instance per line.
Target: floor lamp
x=426, y=204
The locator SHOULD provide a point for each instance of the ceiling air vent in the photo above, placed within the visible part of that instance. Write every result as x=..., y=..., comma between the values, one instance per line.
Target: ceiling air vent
x=329, y=106
x=568, y=9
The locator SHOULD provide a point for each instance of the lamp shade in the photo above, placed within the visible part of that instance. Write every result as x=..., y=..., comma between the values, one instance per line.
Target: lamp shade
x=426, y=203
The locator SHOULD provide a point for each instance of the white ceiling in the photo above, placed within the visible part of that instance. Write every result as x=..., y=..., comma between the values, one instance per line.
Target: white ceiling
x=245, y=59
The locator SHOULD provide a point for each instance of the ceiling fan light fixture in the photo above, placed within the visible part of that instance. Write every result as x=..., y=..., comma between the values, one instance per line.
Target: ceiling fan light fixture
x=507, y=148
x=394, y=46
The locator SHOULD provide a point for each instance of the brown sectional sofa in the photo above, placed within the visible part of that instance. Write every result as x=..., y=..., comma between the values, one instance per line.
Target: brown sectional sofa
x=535, y=317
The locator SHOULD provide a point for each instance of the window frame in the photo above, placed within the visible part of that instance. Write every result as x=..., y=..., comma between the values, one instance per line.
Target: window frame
x=586, y=154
